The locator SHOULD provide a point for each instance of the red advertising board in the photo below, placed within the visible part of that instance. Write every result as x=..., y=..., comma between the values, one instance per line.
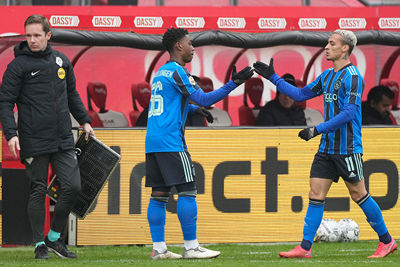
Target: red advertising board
x=248, y=19
x=118, y=68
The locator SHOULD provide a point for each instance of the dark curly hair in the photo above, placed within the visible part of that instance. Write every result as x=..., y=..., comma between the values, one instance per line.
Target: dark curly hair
x=172, y=36
x=376, y=93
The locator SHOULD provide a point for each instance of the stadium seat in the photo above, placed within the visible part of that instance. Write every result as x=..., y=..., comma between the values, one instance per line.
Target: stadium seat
x=313, y=116
x=221, y=117
x=141, y=93
x=96, y=122
x=97, y=91
x=135, y=113
x=395, y=112
x=253, y=88
x=7, y=155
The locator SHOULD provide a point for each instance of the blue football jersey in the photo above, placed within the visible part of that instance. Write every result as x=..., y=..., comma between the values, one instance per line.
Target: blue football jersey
x=169, y=105
x=339, y=88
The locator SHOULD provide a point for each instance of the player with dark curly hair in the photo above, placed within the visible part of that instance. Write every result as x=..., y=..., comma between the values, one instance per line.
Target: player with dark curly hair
x=168, y=161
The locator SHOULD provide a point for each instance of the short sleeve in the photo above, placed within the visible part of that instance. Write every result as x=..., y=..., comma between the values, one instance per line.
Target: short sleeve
x=353, y=86
x=185, y=82
x=316, y=85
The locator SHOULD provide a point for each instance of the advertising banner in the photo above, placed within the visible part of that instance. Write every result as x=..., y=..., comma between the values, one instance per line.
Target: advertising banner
x=252, y=186
x=230, y=18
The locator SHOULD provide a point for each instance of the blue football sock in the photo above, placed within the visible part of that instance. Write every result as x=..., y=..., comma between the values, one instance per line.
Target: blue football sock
x=187, y=214
x=156, y=213
x=39, y=243
x=306, y=244
x=386, y=238
x=374, y=215
x=53, y=235
x=312, y=221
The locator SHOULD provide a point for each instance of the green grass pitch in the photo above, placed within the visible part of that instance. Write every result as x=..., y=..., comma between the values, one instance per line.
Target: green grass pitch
x=324, y=254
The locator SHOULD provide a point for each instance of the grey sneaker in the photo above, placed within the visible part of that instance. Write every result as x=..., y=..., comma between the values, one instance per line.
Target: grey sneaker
x=200, y=253
x=165, y=255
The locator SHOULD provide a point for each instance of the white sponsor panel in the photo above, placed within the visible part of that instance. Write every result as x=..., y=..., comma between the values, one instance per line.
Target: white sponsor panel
x=389, y=23
x=272, y=23
x=312, y=23
x=106, y=21
x=231, y=23
x=352, y=23
x=190, y=22
x=148, y=22
x=64, y=21
x=7, y=34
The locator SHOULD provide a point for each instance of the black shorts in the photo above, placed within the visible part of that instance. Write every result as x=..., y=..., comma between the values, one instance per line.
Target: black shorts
x=331, y=166
x=168, y=169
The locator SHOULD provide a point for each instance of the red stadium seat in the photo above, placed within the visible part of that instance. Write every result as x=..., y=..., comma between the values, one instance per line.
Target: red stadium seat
x=96, y=122
x=394, y=86
x=135, y=113
x=395, y=112
x=221, y=117
x=141, y=93
x=97, y=91
x=254, y=88
x=206, y=84
x=7, y=155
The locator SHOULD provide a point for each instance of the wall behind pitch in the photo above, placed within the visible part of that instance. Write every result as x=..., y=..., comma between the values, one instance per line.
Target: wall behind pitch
x=1, y=186
x=253, y=187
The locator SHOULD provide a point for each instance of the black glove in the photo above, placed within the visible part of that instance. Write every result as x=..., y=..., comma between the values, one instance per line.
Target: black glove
x=205, y=113
x=263, y=69
x=308, y=133
x=242, y=76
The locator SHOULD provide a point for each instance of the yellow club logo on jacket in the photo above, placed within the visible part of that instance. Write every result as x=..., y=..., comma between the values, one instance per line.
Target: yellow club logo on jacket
x=61, y=73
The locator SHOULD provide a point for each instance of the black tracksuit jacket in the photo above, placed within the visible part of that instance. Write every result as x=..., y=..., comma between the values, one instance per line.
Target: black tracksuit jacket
x=42, y=85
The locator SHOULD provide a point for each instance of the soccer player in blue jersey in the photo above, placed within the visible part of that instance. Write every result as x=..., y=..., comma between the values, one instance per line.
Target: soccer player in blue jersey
x=168, y=162
x=340, y=149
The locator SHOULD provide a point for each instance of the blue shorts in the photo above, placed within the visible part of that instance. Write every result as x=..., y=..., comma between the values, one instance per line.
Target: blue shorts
x=333, y=166
x=165, y=169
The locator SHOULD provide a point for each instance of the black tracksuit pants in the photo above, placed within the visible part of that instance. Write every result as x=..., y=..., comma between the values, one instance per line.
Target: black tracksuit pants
x=65, y=166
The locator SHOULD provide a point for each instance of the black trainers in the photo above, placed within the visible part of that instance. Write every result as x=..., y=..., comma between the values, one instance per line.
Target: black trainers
x=41, y=252
x=59, y=248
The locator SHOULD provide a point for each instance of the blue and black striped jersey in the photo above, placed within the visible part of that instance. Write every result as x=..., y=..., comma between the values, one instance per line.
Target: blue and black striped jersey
x=339, y=88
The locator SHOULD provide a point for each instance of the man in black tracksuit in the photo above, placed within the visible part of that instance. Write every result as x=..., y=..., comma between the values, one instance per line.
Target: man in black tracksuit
x=282, y=111
x=376, y=110
x=41, y=82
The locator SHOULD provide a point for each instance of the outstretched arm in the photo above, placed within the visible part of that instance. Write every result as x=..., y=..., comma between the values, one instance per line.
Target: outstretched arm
x=292, y=91
x=208, y=99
